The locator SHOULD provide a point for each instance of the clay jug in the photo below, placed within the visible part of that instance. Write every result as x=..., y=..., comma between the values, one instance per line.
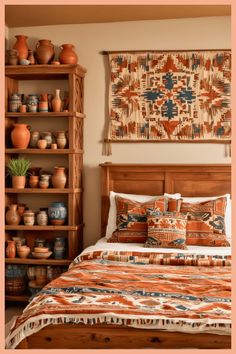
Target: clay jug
x=44, y=51
x=21, y=46
x=67, y=55
x=59, y=178
x=11, y=249
x=12, y=216
x=31, y=57
x=61, y=139
x=20, y=136
x=56, y=102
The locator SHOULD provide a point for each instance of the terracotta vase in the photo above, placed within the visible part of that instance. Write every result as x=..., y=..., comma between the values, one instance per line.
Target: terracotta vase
x=57, y=213
x=22, y=47
x=34, y=181
x=18, y=182
x=20, y=136
x=12, y=215
x=44, y=51
x=11, y=249
x=61, y=139
x=57, y=102
x=67, y=55
x=59, y=178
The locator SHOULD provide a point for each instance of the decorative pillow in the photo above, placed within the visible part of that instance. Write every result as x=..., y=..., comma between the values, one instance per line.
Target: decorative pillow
x=166, y=229
x=128, y=236
x=174, y=204
x=132, y=217
x=206, y=222
x=111, y=223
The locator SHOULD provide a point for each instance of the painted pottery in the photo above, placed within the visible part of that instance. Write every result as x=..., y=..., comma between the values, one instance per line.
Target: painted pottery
x=44, y=51
x=44, y=181
x=11, y=249
x=34, y=181
x=57, y=213
x=43, y=103
x=34, y=138
x=23, y=251
x=12, y=57
x=28, y=218
x=18, y=182
x=48, y=137
x=67, y=55
x=14, y=102
x=20, y=136
x=42, y=143
x=32, y=102
x=39, y=242
x=42, y=218
x=57, y=102
x=59, y=177
x=12, y=215
x=61, y=139
x=59, y=248
x=31, y=57
x=21, y=47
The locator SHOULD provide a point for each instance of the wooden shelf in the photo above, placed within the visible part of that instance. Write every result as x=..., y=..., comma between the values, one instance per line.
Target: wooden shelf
x=43, y=191
x=61, y=262
x=43, y=151
x=41, y=228
x=21, y=298
x=44, y=114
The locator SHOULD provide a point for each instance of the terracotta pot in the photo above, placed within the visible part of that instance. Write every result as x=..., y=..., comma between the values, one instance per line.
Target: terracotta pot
x=23, y=251
x=34, y=181
x=11, y=249
x=44, y=51
x=21, y=46
x=48, y=137
x=34, y=138
x=57, y=102
x=67, y=55
x=42, y=144
x=12, y=215
x=12, y=58
x=61, y=139
x=20, y=136
x=18, y=182
x=43, y=184
x=59, y=178
x=21, y=209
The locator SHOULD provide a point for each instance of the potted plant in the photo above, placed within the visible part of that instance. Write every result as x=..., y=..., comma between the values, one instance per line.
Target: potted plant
x=17, y=169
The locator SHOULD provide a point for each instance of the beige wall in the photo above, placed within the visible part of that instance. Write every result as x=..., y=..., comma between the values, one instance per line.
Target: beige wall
x=90, y=39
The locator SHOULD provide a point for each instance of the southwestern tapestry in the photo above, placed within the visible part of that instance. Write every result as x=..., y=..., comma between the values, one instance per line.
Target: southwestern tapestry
x=170, y=96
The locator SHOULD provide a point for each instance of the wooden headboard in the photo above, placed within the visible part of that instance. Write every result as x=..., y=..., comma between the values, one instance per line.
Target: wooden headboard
x=153, y=179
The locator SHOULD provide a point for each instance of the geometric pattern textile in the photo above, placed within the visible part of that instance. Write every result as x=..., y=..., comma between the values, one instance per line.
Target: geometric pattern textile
x=206, y=223
x=170, y=96
x=166, y=230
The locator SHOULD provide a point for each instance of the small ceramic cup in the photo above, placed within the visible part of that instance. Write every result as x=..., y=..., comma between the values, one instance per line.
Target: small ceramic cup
x=54, y=146
x=22, y=108
x=42, y=144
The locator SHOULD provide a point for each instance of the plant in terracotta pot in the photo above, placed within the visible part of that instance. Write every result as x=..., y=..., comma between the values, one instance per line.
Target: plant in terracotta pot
x=18, y=169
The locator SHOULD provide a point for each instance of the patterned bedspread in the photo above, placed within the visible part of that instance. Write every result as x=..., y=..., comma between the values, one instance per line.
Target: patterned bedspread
x=174, y=292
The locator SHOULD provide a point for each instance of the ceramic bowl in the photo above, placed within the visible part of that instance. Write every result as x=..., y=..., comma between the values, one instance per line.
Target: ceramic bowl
x=41, y=249
x=41, y=255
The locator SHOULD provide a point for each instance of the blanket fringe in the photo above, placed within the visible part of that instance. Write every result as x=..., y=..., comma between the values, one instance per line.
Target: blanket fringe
x=187, y=325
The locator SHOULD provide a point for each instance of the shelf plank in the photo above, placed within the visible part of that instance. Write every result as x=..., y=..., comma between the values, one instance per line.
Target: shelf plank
x=41, y=228
x=44, y=114
x=43, y=191
x=62, y=262
x=43, y=151
x=22, y=298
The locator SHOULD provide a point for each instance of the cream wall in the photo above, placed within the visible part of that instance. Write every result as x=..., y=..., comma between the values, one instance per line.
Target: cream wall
x=90, y=39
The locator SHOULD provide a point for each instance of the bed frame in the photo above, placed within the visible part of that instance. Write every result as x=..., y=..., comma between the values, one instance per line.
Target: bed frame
x=150, y=179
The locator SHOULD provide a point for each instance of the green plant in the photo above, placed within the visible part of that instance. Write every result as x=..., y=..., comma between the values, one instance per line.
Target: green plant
x=18, y=167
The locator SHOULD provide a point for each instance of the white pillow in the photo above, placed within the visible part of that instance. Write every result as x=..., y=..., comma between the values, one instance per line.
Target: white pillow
x=111, y=224
x=227, y=212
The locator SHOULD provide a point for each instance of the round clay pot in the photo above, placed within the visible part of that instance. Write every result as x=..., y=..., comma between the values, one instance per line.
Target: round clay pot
x=34, y=181
x=18, y=182
x=12, y=215
x=28, y=218
x=61, y=139
x=44, y=51
x=42, y=144
x=57, y=102
x=42, y=218
x=20, y=136
x=67, y=55
x=21, y=46
x=11, y=249
x=57, y=213
x=23, y=251
x=34, y=138
x=59, y=177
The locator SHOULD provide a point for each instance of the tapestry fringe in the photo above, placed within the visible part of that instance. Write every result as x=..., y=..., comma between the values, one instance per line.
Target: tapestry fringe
x=180, y=325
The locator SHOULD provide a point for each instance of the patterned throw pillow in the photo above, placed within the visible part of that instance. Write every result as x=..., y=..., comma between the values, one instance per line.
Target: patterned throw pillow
x=132, y=218
x=206, y=222
x=166, y=229
x=174, y=204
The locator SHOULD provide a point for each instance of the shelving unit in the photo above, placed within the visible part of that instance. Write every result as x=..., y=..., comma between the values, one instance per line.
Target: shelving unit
x=73, y=155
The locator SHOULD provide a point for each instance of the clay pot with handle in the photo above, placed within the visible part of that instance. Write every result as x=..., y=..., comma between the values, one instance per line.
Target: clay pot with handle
x=68, y=55
x=44, y=51
x=21, y=46
x=12, y=215
x=59, y=178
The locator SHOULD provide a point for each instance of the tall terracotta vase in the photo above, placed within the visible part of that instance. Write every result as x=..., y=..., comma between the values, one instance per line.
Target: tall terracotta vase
x=21, y=46
x=44, y=51
x=12, y=216
x=59, y=178
x=11, y=249
x=67, y=55
x=56, y=102
x=20, y=136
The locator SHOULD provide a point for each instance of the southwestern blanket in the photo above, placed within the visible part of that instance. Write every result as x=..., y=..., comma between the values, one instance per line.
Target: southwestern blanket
x=174, y=292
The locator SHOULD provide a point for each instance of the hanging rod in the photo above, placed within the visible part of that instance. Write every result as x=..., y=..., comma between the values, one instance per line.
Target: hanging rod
x=105, y=52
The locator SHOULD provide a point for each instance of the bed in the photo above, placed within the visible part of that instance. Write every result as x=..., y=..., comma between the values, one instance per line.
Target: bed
x=113, y=267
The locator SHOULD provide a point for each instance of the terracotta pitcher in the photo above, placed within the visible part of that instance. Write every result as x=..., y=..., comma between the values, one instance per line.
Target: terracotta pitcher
x=21, y=46
x=20, y=136
x=44, y=51
x=59, y=178
x=57, y=102
x=67, y=55
x=12, y=216
x=11, y=249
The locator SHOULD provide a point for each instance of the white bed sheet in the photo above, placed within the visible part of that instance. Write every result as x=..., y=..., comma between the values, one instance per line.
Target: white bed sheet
x=102, y=244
